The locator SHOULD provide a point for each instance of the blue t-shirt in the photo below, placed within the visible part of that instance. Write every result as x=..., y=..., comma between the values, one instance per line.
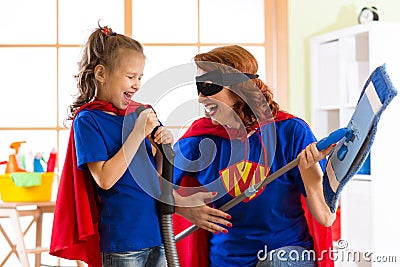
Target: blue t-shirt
x=271, y=219
x=128, y=212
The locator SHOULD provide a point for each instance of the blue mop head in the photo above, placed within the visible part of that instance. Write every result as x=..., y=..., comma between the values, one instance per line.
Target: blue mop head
x=349, y=155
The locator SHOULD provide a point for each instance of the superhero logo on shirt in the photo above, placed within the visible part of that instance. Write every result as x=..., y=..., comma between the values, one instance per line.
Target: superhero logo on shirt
x=238, y=177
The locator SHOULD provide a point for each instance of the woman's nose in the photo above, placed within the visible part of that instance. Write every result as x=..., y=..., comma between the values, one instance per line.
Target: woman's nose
x=201, y=97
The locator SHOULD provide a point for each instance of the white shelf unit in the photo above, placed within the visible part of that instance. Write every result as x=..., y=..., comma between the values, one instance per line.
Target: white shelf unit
x=341, y=63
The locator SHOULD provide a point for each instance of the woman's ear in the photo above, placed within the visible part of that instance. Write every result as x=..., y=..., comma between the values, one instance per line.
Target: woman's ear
x=100, y=73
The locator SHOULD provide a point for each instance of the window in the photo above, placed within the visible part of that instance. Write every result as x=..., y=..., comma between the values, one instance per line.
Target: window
x=177, y=30
x=39, y=54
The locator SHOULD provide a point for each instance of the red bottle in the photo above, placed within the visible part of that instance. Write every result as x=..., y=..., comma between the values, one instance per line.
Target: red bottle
x=51, y=163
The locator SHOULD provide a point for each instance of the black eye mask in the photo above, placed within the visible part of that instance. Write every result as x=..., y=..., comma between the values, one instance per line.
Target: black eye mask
x=212, y=82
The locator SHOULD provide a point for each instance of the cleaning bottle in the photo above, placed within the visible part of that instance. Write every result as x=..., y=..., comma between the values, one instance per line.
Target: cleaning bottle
x=51, y=162
x=29, y=160
x=12, y=165
x=25, y=157
x=37, y=165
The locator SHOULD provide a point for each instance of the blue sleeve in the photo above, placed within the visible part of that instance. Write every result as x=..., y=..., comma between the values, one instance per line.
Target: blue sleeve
x=186, y=159
x=89, y=143
x=302, y=137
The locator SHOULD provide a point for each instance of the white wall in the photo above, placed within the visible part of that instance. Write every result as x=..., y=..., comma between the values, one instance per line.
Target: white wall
x=308, y=18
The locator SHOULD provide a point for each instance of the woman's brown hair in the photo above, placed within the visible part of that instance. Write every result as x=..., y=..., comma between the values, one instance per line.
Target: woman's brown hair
x=250, y=104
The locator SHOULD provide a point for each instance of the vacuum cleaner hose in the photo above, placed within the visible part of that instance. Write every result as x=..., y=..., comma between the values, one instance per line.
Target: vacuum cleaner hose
x=167, y=231
x=166, y=204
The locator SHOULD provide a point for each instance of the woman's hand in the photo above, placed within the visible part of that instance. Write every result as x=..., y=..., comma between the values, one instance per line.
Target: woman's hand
x=195, y=209
x=311, y=155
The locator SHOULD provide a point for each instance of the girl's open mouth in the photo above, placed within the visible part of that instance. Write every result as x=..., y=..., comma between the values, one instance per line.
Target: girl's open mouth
x=128, y=96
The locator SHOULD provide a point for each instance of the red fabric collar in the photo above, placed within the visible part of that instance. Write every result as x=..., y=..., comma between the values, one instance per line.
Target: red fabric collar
x=107, y=106
x=204, y=126
x=75, y=226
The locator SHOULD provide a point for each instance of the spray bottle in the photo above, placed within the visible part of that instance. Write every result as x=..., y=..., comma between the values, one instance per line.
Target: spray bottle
x=37, y=165
x=51, y=162
x=12, y=165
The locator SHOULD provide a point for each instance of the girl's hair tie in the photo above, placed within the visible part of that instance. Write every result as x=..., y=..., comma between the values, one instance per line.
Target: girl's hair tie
x=106, y=30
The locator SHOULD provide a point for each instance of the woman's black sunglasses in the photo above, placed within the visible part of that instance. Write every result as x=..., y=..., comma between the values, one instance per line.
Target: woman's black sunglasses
x=213, y=82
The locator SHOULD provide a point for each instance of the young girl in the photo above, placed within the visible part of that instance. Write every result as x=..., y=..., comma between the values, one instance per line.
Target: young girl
x=110, y=181
x=109, y=140
x=250, y=137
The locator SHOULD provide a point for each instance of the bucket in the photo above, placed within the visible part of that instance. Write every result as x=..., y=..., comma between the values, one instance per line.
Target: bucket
x=12, y=193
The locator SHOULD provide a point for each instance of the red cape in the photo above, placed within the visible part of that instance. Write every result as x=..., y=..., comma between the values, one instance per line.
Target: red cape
x=193, y=250
x=75, y=233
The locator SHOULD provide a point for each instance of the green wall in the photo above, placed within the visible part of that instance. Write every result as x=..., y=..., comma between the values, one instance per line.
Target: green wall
x=309, y=18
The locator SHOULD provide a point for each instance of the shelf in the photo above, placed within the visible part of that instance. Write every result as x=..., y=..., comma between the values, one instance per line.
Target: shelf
x=341, y=63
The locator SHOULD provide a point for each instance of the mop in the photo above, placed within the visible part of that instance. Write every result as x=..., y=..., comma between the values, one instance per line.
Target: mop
x=346, y=159
x=348, y=156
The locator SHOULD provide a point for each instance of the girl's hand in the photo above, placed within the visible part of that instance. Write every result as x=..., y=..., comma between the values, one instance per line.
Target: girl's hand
x=194, y=209
x=163, y=136
x=148, y=121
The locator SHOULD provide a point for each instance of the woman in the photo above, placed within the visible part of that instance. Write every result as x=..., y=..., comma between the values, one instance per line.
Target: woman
x=243, y=137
